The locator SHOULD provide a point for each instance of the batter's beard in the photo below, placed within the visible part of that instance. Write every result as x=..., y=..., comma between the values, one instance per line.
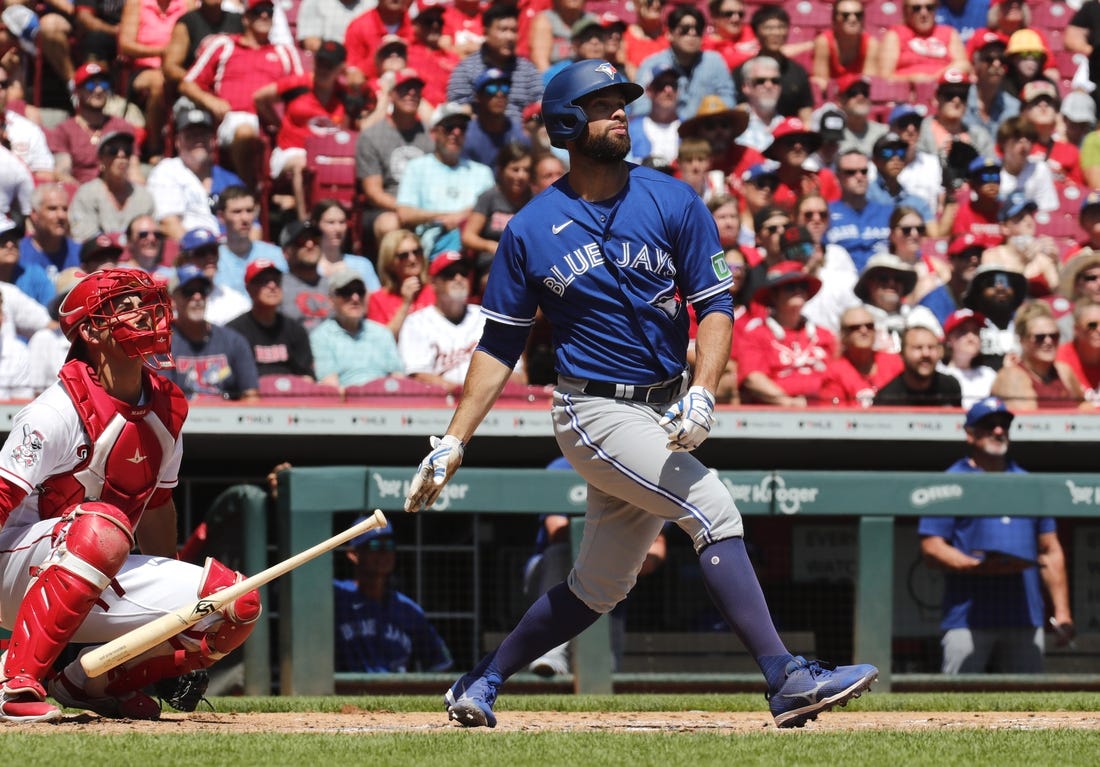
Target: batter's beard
x=605, y=149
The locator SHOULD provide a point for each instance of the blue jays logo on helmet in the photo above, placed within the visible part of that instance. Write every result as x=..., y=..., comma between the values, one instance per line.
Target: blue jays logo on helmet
x=564, y=120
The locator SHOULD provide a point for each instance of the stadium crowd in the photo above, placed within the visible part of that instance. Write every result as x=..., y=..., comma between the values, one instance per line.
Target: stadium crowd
x=908, y=193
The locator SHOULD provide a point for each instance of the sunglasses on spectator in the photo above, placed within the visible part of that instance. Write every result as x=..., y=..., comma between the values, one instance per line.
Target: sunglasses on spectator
x=913, y=230
x=858, y=326
x=454, y=271
x=991, y=177
x=853, y=171
x=494, y=88
x=791, y=288
x=379, y=544
x=191, y=288
x=1088, y=277
x=731, y=14
x=776, y=228
x=9, y=242
x=207, y=252
x=890, y=152
x=758, y=81
x=859, y=89
x=768, y=184
x=992, y=58
x=1042, y=338
x=451, y=127
x=687, y=29
x=950, y=94
x=815, y=215
x=1091, y=326
x=921, y=7
x=854, y=15
x=145, y=234
x=714, y=124
x=401, y=255
x=354, y=289
x=91, y=86
x=970, y=254
x=1031, y=55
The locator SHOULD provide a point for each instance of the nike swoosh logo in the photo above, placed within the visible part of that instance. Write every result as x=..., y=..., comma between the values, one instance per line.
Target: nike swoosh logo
x=556, y=229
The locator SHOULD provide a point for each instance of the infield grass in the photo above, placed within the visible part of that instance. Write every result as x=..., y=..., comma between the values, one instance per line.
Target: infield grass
x=456, y=747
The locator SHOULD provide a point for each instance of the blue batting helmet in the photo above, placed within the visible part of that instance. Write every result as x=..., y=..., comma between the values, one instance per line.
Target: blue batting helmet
x=565, y=120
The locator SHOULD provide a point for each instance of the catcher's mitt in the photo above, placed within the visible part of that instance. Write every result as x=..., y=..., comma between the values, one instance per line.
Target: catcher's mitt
x=184, y=692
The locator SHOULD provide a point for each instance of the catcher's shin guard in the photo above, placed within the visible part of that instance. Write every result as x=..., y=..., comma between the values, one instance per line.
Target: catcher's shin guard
x=88, y=552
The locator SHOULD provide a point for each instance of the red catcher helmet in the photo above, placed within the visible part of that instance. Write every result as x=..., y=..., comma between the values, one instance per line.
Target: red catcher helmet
x=144, y=330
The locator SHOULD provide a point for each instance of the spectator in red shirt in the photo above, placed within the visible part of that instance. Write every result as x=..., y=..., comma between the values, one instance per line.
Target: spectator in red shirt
x=792, y=144
x=389, y=17
x=462, y=28
x=314, y=102
x=1040, y=105
x=730, y=36
x=846, y=48
x=979, y=210
x=228, y=72
x=783, y=358
x=1082, y=353
x=403, y=272
x=854, y=377
x=645, y=36
x=428, y=57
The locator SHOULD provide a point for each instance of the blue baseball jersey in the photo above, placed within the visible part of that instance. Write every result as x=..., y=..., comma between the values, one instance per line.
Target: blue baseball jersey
x=860, y=232
x=991, y=601
x=388, y=636
x=611, y=277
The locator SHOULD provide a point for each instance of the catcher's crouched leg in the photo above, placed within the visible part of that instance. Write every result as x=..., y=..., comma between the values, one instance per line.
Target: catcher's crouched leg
x=177, y=668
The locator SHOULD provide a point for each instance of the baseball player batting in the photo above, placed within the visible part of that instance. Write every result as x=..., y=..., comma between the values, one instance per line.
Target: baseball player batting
x=610, y=253
x=88, y=470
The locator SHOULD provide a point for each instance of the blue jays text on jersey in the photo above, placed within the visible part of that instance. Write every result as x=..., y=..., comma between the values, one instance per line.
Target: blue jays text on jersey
x=610, y=276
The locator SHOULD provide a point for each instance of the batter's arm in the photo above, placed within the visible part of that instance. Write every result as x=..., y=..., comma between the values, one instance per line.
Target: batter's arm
x=484, y=381
x=712, y=350
x=156, y=531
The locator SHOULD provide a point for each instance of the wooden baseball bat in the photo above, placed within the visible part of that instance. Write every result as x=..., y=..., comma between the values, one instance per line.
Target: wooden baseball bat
x=101, y=659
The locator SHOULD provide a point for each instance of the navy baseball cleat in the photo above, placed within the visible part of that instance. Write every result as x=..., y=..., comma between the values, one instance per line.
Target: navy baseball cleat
x=813, y=686
x=470, y=700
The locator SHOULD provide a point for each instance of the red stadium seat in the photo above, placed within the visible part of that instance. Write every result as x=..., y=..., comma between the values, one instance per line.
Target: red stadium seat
x=878, y=17
x=1050, y=16
x=394, y=386
x=277, y=385
x=330, y=159
x=814, y=14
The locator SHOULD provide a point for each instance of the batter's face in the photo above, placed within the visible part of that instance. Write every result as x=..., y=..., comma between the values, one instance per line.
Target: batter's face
x=605, y=138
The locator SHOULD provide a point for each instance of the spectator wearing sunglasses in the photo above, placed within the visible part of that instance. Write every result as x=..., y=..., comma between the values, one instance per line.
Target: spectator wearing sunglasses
x=701, y=72
x=211, y=361
x=1041, y=107
x=492, y=127
x=731, y=36
x=1023, y=250
x=857, y=223
x=1029, y=58
x=1039, y=380
x=772, y=25
x=1079, y=281
x=145, y=247
x=883, y=285
x=29, y=278
x=996, y=293
x=947, y=127
x=379, y=629
x=978, y=212
x=919, y=49
x=846, y=47
x=792, y=147
x=889, y=155
x=1082, y=352
x=760, y=90
x=857, y=128
x=988, y=104
x=658, y=133
x=108, y=202
x=429, y=52
x=854, y=377
x=75, y=141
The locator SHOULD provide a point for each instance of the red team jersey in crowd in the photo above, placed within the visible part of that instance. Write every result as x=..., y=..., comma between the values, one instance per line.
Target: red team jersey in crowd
x=1064, y=160
x=1088, y=375
x=304, y=108
x=836, y=68
x=847, y=387
x=735, y=51
x=382, y=304
x=985, y=228
x=796, y=360
x=922, y=54
x=435, y=66
x=823, y=181
x=363, y=35
x=233, y=72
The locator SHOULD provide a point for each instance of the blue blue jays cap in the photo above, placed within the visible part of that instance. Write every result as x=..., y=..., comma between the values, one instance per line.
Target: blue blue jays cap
x=489, y=76
x=984, y=408
x=980, y=165
x=189, y=273
x=370, y=535
x=1016, y=203
x=766, y=169
x=197, y=238
x=904, y=113
x=1092, y=199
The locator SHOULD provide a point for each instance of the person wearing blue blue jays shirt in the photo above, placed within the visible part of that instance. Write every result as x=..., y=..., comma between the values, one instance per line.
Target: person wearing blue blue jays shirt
x=379, y=629
x=967, y=16
x=29, y=278
x=856, y=223
x=997, y=568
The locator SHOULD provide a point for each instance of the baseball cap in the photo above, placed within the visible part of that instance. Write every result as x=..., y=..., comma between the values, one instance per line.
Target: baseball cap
x=1092, y=199
x=101, y=245
x=844, y=83
x=584, y=26
x=191, y=117
x=1079, y=107
x=258, y=267
x=445, y=260
x=761, y=170
x=984, y=408
x=959, y=316
x=254, y=4
x=449, y=110
x=980, y=165
x=344, y=277
x=331, y=53
x=792, y=128
x=89, y=71
x=767, y=212
x=796, y=244
x=982, y=39
x=784, y=273
x=370, y=535
x=610, y=20
x=389, y=42
x=1036, y=89
x=407, y=75
x=491, y=75
x=194, y=239
x=187, y=274
x=112, y=142
x=888, y=140
x=12, y=231
x=905, y=113
x=953, y=76
x=1025, y=41
x=296, y=230
x=1016, y=203
x=963, y=243
x=831, y=124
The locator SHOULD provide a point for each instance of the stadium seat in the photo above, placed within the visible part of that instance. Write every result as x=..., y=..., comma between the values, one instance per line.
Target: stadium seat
x=879, y=17
x=1050, y=15
x=394, y=386
x=814, y=14
x=1067, y=63
x=330, y=163
x=278, y=385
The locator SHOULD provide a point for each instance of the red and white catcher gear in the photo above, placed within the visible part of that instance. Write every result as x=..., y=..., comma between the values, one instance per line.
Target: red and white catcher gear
x=201, y=646
x=106, y=299
x=90, y=545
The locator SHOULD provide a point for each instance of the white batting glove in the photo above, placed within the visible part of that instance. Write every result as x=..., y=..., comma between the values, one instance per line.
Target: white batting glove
x=690, y=420
x=434, y=472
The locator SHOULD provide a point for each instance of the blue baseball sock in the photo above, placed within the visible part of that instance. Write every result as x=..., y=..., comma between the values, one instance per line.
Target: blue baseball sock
x=735, y=590
x=555, y=617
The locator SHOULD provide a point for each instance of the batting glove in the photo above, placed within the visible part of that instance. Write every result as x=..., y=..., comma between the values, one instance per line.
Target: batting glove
x=690, y=420
x=434, y=472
